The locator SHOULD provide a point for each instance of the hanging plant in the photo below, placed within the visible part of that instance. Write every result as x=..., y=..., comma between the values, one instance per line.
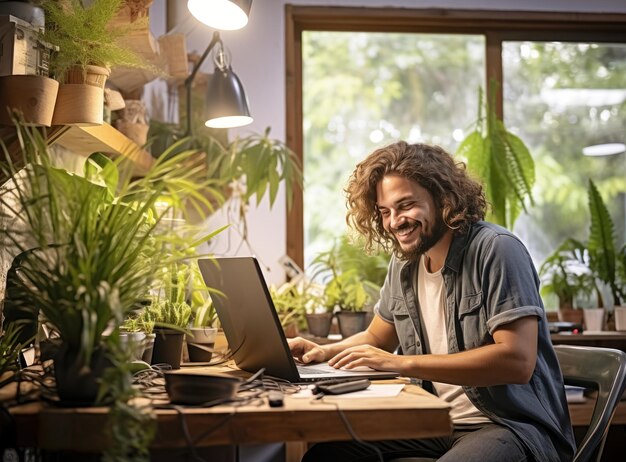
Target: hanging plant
x=501, y=161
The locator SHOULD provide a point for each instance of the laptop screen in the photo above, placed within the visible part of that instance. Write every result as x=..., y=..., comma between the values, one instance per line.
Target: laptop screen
x=248, y=317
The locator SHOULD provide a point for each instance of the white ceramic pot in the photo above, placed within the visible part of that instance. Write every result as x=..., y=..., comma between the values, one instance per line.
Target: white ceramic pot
x=594, y=319
x=135, y=342
x=620, y=318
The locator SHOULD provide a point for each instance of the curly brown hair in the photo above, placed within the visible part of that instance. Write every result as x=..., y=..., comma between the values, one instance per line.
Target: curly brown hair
x=460, y=198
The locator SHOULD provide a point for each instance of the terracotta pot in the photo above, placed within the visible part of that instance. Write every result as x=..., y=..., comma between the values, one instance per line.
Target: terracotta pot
x=291, y=330
x=33, y=97
x=571, y=315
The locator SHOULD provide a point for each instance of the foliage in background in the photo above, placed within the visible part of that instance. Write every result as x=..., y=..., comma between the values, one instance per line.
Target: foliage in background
x=296, y=298
x=251, y=166
x=584, y=266
x=565, y=275
x=248, y=167
x=501, y=161
x=202, y=308
x=352, y=278
x=81, y=31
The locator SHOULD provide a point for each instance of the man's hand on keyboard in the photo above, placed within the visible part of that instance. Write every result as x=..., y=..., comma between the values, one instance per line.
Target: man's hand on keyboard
x=306, y=351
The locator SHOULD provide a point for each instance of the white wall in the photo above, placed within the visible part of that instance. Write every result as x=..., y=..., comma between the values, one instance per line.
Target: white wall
x=258, y=58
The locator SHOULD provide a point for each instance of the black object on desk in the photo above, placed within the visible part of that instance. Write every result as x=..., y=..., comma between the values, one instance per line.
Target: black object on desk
x=339, y=387
x=562, y=326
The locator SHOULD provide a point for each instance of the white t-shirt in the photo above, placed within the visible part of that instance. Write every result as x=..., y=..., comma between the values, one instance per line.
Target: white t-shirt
x=432, y=299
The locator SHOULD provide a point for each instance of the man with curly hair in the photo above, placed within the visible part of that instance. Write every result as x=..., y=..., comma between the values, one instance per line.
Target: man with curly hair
x=461, y=305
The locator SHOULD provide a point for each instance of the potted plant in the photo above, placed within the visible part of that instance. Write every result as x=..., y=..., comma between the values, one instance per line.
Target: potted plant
x=171, y=314
x=347, y=294
x=133, y=336
x=203, y=329
x=88, y=46
x=352, y=280
x=605, y=261
x=606, y=264
x=141, y=323
x=318, y=315
x=289, y=308
x=97, y=249
x=565, y=275
x=252, y=166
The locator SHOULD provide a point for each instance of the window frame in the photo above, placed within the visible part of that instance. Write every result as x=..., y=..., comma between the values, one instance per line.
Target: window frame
x=495, y=25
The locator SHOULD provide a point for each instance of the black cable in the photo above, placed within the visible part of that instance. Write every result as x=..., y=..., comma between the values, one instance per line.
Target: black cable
x=350, y=430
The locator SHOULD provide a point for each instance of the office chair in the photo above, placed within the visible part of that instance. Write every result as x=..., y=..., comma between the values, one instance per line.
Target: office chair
x=600, y=369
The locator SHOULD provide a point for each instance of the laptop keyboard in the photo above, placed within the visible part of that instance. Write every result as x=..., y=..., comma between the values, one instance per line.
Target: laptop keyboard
x=310, y=370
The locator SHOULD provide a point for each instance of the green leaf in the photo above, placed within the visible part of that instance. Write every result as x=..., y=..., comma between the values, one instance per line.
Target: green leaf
x=601, y=244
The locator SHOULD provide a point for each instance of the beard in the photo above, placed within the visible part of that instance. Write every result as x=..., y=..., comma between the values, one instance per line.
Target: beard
x=425, y=241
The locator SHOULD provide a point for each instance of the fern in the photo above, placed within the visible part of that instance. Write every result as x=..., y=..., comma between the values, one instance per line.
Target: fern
x=84, y=36
x=503, y=163
x=601, y=242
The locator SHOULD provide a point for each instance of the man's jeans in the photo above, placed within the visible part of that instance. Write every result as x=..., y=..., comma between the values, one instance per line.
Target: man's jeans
x=484, y=443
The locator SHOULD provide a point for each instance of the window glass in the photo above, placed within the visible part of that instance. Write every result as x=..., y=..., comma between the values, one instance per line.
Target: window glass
x=565, y=99
x=365, y=90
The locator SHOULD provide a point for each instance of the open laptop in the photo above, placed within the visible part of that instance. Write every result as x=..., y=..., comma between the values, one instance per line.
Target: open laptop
x=255, y=336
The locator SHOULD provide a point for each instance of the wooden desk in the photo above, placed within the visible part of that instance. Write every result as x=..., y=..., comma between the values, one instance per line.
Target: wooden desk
x=580, y=413
x=413, y=414
x=608, y=339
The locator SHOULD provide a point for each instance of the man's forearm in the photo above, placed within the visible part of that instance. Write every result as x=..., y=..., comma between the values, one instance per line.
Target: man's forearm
x=485, y=366
x=361, y=338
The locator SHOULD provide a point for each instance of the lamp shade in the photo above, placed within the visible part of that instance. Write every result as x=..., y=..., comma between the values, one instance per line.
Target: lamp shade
x=226, y=102
x=221, y=14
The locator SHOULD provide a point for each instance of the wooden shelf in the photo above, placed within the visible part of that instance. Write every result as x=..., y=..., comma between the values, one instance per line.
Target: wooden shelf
x=101, y=138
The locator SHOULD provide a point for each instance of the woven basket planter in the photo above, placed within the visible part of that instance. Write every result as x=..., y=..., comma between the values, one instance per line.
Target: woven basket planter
x=95, y=76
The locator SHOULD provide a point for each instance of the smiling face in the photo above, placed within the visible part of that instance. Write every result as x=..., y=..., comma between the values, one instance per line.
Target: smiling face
x=409, y=215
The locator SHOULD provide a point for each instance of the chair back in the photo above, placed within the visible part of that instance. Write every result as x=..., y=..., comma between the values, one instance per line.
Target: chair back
x=601, y=369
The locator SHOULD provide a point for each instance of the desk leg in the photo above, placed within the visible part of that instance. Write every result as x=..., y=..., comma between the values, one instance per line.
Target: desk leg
x=294, y=450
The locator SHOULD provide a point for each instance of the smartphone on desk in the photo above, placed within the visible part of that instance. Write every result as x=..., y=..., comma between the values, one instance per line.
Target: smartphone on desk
x=339, y=387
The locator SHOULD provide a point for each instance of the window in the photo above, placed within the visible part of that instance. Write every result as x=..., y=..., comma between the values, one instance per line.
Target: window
x=562, y=98
x=364, y=89
x=360, y=78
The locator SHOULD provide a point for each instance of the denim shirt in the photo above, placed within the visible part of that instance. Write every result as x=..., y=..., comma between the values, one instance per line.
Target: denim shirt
x=490, y=281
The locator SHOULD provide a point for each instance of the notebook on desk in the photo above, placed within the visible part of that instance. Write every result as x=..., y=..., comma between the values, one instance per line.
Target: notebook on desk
x=251, y=325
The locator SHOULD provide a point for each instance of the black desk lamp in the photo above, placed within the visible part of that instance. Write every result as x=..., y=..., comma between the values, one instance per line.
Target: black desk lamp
x=226, y=102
